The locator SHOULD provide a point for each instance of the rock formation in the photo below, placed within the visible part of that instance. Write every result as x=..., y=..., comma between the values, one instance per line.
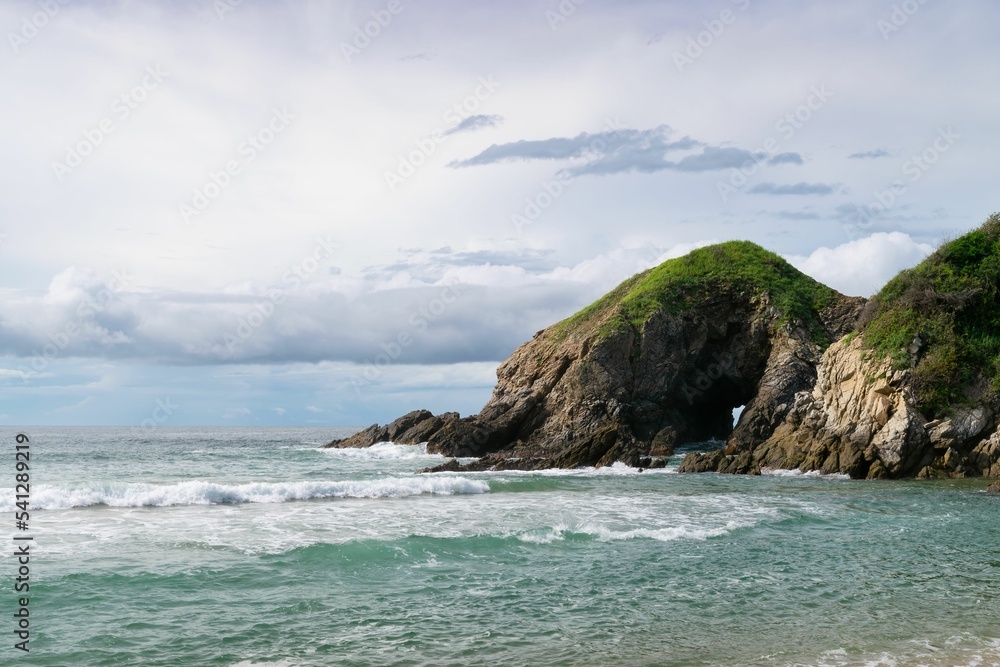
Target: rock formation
x=861, y=419
x=904, y=385
x=913, y=392
x=605, y=386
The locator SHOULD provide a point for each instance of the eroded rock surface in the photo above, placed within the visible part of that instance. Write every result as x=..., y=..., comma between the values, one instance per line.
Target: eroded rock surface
x=860, y=419
x=567, y=399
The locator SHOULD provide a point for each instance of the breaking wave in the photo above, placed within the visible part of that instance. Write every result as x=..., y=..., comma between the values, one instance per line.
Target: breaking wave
x=383, y=451
x=210, y=493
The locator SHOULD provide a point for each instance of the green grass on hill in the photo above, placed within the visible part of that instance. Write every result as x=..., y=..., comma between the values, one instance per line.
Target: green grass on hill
x=679, y=284
x=952, y=300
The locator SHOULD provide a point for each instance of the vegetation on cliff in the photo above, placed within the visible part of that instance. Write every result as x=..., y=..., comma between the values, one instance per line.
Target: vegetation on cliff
x=676, y=285
x=942, y=319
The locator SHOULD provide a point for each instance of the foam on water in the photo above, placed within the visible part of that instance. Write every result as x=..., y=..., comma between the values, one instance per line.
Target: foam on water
x=383, y=451
x=957, y=651
x=617, y=469
x=603, y=533
x=795, y=472
x=582, y=567
x=210, y=493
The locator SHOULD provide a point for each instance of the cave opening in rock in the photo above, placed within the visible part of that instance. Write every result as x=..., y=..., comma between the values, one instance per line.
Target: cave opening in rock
x=713, y=414
x=736, y=414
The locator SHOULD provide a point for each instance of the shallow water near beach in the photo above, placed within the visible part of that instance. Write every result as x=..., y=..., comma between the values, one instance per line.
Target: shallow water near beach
x=240, y=546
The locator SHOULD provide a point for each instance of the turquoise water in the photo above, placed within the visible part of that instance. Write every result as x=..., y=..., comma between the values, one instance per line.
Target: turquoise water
x=245, y=547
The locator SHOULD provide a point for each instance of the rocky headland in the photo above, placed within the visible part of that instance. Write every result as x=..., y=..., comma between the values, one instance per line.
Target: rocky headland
x=902, y=385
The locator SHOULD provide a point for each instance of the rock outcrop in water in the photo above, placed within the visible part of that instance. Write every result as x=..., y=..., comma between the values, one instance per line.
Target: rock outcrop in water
x=861, y=419
x=831, y=383
x=661, y=360
x=914, y=392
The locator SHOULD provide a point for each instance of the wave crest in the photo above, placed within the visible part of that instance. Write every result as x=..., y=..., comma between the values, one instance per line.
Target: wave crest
x=795, y=472
x=382, y=451
x=211, y=493
x=601, y=533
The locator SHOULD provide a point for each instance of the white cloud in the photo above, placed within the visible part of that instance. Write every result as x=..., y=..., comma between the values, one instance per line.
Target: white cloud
x=22, y=374
x=324, y=176
x=680, y=250
x=862, y=267
x=452, y=313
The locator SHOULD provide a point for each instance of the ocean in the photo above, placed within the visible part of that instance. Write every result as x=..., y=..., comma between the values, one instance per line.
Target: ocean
x=253, y=547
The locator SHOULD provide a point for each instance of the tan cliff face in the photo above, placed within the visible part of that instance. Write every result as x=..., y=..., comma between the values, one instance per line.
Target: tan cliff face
x=857, y=414
x=861, y=419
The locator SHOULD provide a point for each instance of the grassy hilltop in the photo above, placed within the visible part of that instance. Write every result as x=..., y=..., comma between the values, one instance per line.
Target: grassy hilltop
x=943, y=318
x=676, y=285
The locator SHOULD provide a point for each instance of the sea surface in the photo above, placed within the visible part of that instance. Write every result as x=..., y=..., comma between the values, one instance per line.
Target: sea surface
x=243, y=547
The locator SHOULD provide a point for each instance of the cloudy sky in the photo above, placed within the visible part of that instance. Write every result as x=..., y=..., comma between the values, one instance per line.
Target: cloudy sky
x=332, y=212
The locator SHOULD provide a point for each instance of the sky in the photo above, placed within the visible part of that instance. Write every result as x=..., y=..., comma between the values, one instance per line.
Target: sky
x=321, y=212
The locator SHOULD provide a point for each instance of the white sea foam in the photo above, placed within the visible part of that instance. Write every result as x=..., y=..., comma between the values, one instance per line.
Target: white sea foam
x=795, y=472
x=210, y=493
x=963, y=651
x=383, y=451
x=543, y=536
x=617, y=469
x=605, y=534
